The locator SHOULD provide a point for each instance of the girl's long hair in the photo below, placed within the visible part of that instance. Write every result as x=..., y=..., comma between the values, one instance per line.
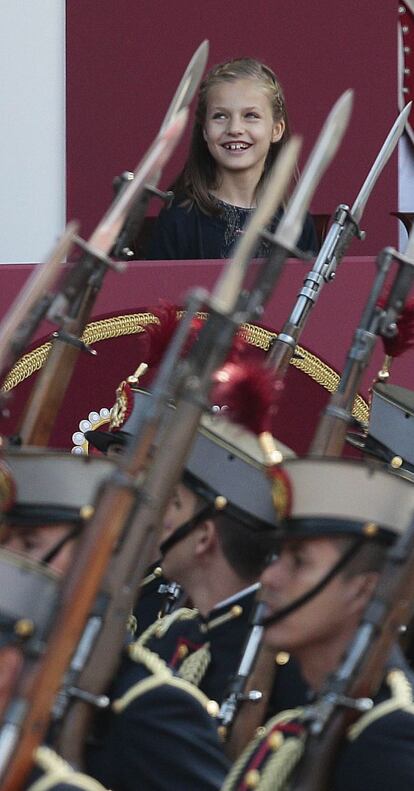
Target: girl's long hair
x=199, y=175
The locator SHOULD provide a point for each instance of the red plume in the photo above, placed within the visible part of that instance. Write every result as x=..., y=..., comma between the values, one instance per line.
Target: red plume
x=160, y=334
x=249, y=392
x=404, y=338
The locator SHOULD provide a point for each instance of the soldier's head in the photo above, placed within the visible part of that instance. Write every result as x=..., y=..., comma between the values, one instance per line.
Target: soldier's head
x=53, y=496
x=223, y=509
x=51, y=499
x=344, y=516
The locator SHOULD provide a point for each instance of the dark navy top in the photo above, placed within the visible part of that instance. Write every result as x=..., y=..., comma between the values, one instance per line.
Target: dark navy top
x=181, y=233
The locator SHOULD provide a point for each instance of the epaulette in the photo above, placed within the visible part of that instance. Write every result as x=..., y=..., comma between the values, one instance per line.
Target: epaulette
x=269, y=759
x=401, y=699
x=161, y=626
x=230, y=615
x=56, y=771
x=159, y=674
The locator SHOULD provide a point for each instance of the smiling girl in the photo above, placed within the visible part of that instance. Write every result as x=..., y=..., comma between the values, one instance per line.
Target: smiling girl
x=240, y=126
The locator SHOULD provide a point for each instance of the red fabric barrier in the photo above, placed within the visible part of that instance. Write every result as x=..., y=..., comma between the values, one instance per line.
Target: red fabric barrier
x=328, y=335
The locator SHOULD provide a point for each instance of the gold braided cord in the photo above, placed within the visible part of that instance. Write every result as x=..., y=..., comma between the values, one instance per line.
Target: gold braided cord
x=161, y=626
x=401, y=699
x=194, y=667
x=160, y=674
x=132, y=323
x=96, y=331
x=310, y=364
x=240, y=765
x=58, y=771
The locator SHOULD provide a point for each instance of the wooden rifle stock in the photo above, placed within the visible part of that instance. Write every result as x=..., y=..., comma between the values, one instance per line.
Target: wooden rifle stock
x=82, y=288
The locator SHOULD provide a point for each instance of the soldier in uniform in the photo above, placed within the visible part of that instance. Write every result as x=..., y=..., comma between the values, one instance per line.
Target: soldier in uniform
x=217, y=533
x=344, y=515
x=158, y=727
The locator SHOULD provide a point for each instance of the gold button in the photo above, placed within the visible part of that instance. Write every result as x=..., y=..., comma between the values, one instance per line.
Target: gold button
x=183, y=651
x=220, y=502
x=396, y=462
x=282, y=658
x=24, y=627
x=157, y=571
x=260, y=731
x=86, y=512
x=213, y=708
x=370, y=529
x=236, y=610
x=275, y=740
x=252, y=778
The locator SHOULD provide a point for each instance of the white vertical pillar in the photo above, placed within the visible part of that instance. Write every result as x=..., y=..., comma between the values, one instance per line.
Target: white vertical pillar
x=32, y=128
x=405, y=181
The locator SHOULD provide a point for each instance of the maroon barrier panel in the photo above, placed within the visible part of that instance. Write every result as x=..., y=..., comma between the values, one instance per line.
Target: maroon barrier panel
x=124, y=60
x=114, y=333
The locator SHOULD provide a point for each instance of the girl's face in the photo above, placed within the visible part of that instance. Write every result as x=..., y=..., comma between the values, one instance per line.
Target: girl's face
x=239, y=126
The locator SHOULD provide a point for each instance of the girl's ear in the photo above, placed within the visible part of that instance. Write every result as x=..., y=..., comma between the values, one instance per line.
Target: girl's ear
x=278, y=131
x=204, y=134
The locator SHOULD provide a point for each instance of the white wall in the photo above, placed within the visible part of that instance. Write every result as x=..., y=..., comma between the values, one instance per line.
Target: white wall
x=32, y=128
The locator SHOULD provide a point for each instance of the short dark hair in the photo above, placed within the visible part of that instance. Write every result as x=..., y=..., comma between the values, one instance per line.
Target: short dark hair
x=245, y=549
x=370, y=556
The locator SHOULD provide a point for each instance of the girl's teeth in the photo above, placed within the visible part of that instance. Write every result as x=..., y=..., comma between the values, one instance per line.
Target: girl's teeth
x=236, y=146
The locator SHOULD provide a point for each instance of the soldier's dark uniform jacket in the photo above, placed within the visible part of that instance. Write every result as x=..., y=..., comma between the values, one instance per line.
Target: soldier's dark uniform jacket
x=378, y=752
x=55, y=774
x=207, y=651
x=158, y=735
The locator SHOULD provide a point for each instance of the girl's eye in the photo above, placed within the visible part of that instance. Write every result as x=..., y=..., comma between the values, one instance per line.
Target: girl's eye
x=218, y=115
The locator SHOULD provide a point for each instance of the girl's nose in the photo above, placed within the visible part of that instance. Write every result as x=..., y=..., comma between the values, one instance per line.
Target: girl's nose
x=234, y=126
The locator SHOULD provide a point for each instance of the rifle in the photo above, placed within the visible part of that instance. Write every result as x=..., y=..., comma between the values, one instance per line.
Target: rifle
x=32, y=303
x=345, y=227
x=230, y=305
x=254, y=655
x=350, y=689
x=331, y=430
x=182, y=98
x=73, y=306
x=89, y=626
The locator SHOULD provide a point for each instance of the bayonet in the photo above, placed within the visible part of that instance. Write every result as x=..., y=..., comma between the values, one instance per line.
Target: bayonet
x=340, y=235
x=289, y=229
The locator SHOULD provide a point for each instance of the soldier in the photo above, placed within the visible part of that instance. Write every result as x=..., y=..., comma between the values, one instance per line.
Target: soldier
x=218, y=531
x=344, y=514
x=50, y=492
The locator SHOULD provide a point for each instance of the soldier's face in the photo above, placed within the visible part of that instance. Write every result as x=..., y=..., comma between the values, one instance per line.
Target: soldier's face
x=181, y=508
x=38, y=542
x=324, y=619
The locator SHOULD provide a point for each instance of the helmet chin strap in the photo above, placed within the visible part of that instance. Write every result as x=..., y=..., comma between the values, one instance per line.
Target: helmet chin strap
x=301, y=600
x=187, y=527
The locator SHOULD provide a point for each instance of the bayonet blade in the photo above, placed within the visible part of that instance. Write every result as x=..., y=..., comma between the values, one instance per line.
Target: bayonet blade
x=229, y=284
x=289, y=229
x=153, y=161
x=188, y=84
x=383, y=156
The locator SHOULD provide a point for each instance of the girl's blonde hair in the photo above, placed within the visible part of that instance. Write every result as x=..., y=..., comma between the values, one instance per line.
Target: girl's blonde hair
x=199, y=175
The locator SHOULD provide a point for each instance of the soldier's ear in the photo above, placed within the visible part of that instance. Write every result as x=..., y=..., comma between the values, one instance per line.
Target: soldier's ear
x=361, y=588
x=207, y=538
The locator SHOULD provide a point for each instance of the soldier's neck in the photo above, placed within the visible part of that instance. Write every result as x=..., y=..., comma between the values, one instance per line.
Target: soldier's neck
x=318, y=661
